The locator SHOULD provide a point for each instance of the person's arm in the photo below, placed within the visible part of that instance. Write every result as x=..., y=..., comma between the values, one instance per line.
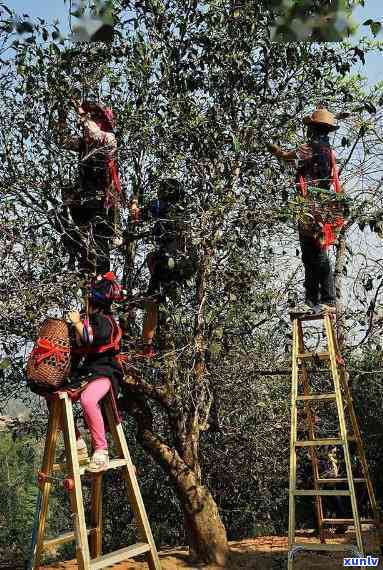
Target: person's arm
x=75, y=318
x=63, y=136
x=287, y=155
x=96, y=136
x=84, y=332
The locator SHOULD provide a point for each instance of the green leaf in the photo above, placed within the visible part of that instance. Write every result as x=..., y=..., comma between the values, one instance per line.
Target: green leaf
x=236, y=143
x=5, y=363
x=375, y=26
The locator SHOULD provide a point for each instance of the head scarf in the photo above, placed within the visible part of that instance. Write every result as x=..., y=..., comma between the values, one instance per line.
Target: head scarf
x=106, y=122
x=105, y=289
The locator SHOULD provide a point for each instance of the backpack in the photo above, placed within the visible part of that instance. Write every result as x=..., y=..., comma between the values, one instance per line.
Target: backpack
x=49, y=363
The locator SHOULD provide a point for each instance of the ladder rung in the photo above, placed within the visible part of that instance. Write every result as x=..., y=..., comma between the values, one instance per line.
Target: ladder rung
x=319, y=442
x=347, y=521
x=119, y=555
x=307, y=316
x=314, y=356
x=113, y=464
x=334, y=481
x=63, y=538
x=317, y=492
x=317, y=397
x=319, y=546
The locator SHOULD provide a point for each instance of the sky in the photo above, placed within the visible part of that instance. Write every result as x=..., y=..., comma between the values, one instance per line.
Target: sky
x=51, y=9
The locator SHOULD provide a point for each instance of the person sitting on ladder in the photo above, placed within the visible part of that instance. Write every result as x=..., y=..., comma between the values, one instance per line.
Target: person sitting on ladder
x=316, y=168
x=99, y=372
x=94, y=204
x=170, y=264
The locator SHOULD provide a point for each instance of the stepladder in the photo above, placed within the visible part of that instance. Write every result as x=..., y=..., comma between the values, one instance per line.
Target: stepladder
x=70, y=472
x=327, y=459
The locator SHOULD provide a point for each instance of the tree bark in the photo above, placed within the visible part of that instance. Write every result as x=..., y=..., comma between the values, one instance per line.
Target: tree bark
x=204, y=530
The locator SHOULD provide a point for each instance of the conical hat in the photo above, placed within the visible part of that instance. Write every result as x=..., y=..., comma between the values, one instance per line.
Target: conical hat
x=321, y=117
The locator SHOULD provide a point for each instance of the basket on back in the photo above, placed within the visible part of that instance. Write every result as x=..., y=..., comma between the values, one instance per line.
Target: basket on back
x=49, y=363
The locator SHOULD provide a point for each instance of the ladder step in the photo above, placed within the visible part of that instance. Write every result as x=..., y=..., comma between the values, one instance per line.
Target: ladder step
x=113, y=464
x=314, y=356
x=319, y=546
x=334, y=481
x=307, y=316
x=319, y=442
x=317, y=492
x=347, y=521
x=318, y=397
x=63, y=538
x=119, y=555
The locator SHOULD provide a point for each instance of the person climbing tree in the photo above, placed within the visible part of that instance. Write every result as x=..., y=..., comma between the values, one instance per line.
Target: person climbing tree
x=99, y=343
x=93, y=203
x=317, y=170
x=172, y=262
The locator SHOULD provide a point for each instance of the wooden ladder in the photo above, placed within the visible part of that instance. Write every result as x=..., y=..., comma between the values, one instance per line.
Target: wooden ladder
x=89, y=555
x=345, y=411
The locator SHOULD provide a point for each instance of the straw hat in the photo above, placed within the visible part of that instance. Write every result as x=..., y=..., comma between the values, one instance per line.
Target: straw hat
x=321, y=116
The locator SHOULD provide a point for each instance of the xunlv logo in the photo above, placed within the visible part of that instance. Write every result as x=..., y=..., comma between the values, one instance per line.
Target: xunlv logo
x=368, y=561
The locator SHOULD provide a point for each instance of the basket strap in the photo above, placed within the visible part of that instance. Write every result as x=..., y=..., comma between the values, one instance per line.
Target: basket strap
x=45, y=348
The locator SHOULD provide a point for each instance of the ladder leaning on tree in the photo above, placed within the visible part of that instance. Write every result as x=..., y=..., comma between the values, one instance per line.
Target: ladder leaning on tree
x=89, y=556
x=302, y=393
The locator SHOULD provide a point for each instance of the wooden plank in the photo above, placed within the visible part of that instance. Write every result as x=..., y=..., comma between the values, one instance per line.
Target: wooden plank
x=134, y=493
x=317, y=397
x=95, y=543
x=322, y=493
x=311, y=436
x=306, y=316
x=293, y=431
x=347, y=521
x=332, y=348
x=329, y=547
x=60, y=539
x=119, y=555
x=113, y=464
x=335, y=481
x=314, y=356
x=319, y=442
x=75, y=495
x=54, y=420
x=63, y=538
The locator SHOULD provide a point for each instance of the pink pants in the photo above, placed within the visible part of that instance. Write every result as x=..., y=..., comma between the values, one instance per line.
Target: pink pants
x=90, y=402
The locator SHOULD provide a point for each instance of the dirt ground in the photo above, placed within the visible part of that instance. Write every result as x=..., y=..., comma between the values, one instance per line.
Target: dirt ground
x=266, y=553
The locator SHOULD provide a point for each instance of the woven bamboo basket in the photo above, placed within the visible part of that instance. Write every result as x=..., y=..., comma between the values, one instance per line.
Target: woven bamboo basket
x=49, y=363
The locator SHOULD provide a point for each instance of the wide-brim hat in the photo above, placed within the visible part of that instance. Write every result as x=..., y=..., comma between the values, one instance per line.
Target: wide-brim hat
x=322, y=117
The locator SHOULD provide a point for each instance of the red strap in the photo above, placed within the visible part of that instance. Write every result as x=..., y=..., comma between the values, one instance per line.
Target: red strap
x=110, y=198
x=45, y=348
x=114, y=342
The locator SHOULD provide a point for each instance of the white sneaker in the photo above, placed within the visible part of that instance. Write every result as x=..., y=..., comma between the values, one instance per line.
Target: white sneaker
x=99, y=461
x=307, y=308
x=326, y=308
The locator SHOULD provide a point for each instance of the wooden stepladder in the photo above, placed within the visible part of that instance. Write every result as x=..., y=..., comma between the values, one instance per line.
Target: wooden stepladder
x=89, y=555
x=303, y=391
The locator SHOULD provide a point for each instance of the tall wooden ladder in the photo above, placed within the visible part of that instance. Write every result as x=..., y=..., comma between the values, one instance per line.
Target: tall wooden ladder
x=302, y=391
x=89, y=555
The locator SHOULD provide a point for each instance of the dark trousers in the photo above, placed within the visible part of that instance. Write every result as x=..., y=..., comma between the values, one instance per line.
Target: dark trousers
x=319, y=278
x=95, y=229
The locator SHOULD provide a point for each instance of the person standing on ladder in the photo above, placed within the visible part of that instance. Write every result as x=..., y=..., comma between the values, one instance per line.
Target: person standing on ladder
x=93, y=204
x=100, y=372
x=317, y=170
